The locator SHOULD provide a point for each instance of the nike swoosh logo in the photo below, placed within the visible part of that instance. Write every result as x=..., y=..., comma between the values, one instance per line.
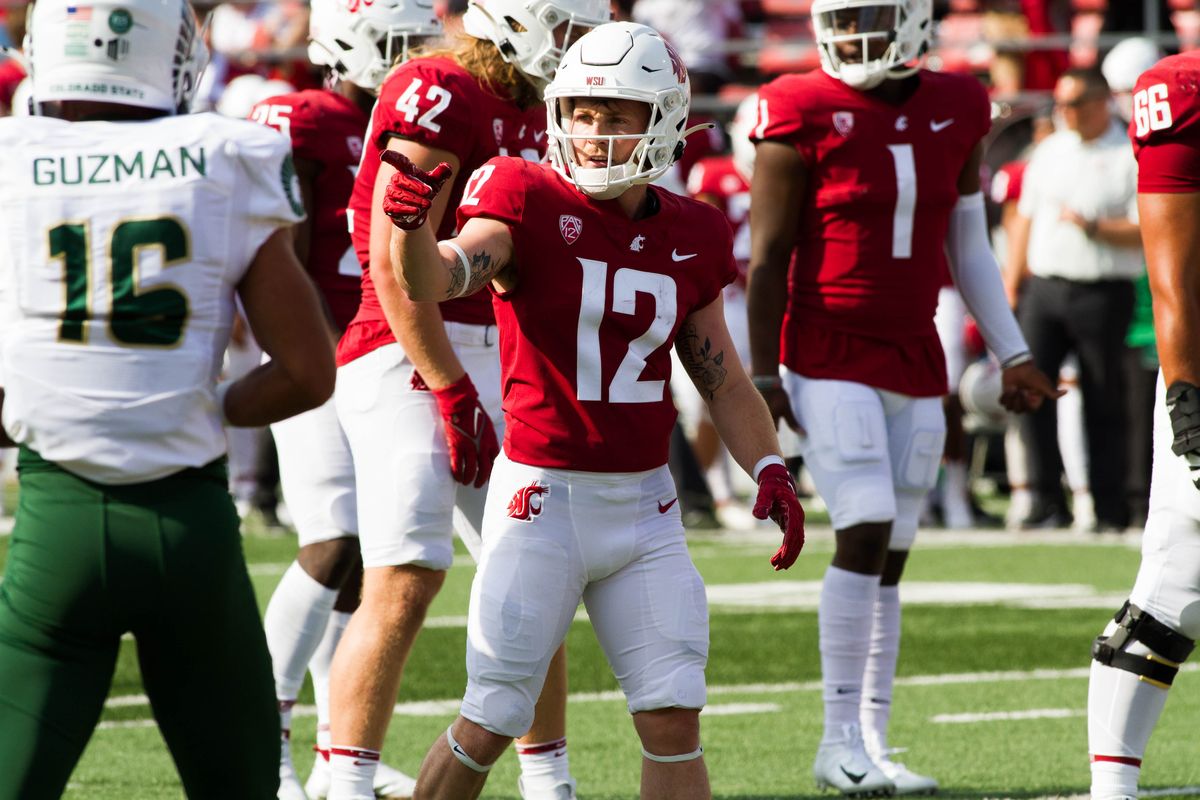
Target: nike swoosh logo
x=843, y=690
x=458, y=749
x=940, y=126
x=537, y=137
x=647, y=69
x=675, y=256
x=665, y=507
x=854, y=778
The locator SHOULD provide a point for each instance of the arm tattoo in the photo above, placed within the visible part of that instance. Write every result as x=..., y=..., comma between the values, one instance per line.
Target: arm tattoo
x=698, y=359
x=481, y=274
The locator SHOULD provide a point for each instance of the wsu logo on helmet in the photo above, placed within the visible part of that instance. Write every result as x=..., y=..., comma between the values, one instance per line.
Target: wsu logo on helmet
x=527, y=502
x=676, y=63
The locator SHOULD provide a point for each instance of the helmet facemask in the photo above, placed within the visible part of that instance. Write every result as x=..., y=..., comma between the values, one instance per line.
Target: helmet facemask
x=864, y=42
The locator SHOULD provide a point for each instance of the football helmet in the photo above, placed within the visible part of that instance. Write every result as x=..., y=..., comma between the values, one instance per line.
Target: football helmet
x=145, y=53
x=740, y=128
x=624, y=61
x=532, y=34
x=891, y=36
x=360, y=41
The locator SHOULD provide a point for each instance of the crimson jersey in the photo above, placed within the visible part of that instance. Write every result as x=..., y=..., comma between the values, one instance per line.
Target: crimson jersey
x=327, y=129
x=1166, y=125
x=870, y=249
x=586, y=333
x=718, y=179
x=434, y=102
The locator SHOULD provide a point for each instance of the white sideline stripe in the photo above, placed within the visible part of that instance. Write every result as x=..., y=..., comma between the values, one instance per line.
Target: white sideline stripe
x=1006, y=716
x=438, y=707
x=1179, y=791
x=125, y=724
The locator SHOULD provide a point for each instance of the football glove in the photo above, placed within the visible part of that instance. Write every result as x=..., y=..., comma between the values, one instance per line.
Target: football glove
x=470, y=436
x=777, y=500
x=410, y=193
x=1183, y=404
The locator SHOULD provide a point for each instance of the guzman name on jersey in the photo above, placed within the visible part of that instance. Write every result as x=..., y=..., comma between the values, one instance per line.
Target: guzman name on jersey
x=100, y=168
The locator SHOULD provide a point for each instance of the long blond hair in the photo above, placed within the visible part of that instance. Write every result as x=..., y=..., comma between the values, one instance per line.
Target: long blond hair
x=482, y=59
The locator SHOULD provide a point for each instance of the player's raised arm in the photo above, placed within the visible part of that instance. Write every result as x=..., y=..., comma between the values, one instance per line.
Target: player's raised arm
x=428, y=270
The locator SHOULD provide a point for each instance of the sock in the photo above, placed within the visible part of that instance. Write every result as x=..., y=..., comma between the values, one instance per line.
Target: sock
x=295, y=622
x=544, y=765
x=956, y=503
x=319, y=666
x=880, y=672
x=1122, y=713
x=352, y=773
x=845, y=617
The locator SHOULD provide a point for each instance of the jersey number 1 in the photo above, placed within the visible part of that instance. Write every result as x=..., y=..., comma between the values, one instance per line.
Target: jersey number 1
x=906, y=200
x=154, y=317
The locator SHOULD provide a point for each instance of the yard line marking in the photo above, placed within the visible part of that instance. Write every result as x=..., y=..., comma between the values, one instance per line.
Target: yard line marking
x=413, y=708
x=125, y=724
x=1178, y=791
x=1006, y=716
x=732, y=709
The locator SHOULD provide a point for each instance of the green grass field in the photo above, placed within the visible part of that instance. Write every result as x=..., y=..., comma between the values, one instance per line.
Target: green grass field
x=991, y=700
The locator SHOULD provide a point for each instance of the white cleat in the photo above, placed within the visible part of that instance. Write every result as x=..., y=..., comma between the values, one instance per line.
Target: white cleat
x=563, y=790
x=907, y=781
x=845, y=766
x=289, y=782
x=390, y=783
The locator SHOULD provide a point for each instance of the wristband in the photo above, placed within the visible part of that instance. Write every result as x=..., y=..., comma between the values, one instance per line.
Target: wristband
x=462, y=259
x=765, y=462
x=1017, y=360
x=764, y=382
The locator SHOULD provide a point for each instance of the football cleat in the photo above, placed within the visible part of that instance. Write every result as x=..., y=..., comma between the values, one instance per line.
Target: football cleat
x=563, y=790
x=907, y=781
x=390, y=783
x=844, y=765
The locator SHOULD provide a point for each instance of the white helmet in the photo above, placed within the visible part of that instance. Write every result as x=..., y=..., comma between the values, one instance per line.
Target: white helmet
x=623, y=61
x=1126, y=62
x=903, y=27
x=740, y=128
x=979, y=390
x=360, y=41
x=145, y=53
x=532, y=34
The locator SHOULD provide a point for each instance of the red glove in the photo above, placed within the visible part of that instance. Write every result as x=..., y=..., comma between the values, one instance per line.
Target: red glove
x=410, y=194
x=469, y=432
x=777, y=500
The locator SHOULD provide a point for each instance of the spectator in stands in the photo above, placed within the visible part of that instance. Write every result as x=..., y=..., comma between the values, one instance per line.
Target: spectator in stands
x=1072, y=257
x=698, y=30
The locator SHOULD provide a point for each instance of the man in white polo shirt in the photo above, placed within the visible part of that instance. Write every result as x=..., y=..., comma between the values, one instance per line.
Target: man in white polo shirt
x=1074, y=255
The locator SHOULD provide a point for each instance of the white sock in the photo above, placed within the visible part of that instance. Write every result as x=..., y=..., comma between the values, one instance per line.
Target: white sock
x=956, y=502
x=295, y=622
x=352, y=773
x=1122, y=713
x=845, y=618
x=544, y=765
x=880, y=672
x=319, y=666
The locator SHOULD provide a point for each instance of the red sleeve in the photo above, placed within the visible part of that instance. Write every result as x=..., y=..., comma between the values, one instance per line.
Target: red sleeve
x=779, y=114
x=980, y=108
x=298, y=117
x=495, y=191
x=1006, y=185
x=1166, y=126
x=427, y=100
x=703, y=179
x=725, y=269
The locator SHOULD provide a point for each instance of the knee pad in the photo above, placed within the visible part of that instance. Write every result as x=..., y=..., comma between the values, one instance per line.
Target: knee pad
x=692, y=756
x=461, y=754
x=1168, y=648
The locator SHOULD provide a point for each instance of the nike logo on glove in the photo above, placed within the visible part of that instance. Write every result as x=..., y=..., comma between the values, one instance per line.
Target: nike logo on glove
x=675, y=256
x=665, y=507
x=854, y=778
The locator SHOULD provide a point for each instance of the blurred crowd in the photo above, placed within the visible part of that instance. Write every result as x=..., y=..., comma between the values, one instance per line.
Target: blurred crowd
x=1058, y=72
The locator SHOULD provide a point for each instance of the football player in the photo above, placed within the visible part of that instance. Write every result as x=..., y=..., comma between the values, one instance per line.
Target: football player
x=356, y=43
x=596, y=275
x=129, y=229
x=1139, y=653
x=418, y=383
x=869, y=168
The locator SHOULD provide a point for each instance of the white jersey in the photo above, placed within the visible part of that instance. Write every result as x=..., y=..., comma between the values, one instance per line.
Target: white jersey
x=121, y=244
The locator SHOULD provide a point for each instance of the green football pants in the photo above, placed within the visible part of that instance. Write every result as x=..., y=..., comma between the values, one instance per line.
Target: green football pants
x=164, y=561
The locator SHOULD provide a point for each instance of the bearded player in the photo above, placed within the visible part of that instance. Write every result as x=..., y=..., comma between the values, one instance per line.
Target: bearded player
x=1140, y=652
x=596, y=275
x=418, y=383
x=356, y=43
x=869, y=168
x=129, y=227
